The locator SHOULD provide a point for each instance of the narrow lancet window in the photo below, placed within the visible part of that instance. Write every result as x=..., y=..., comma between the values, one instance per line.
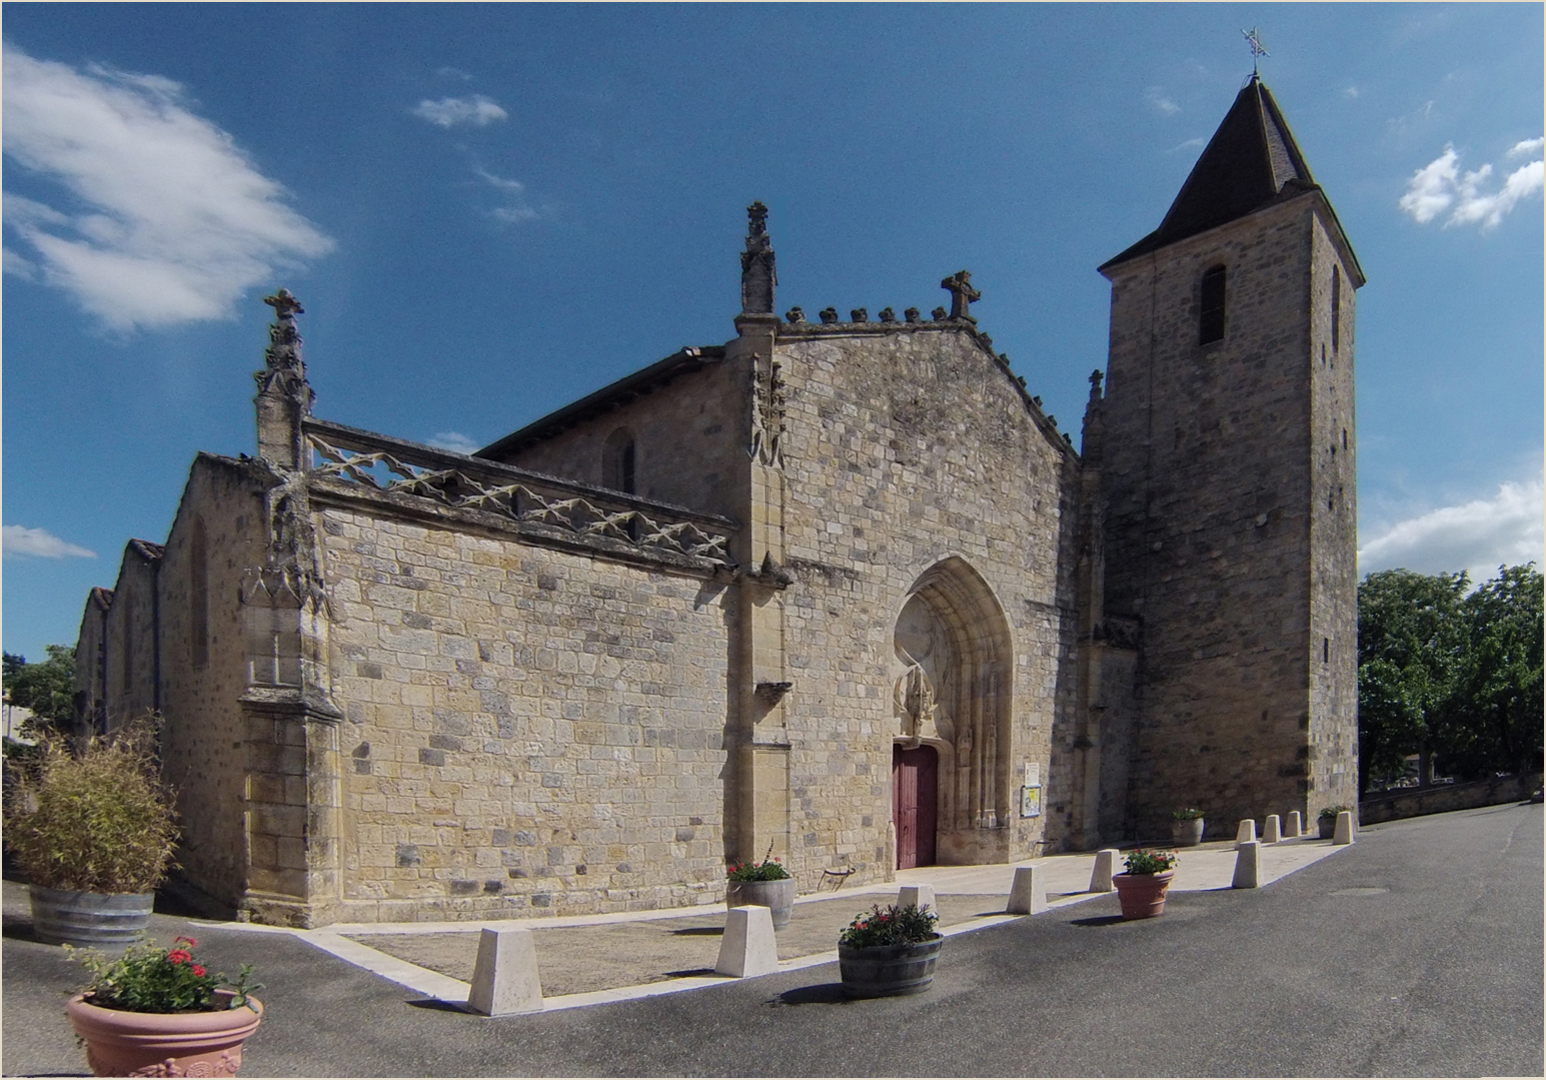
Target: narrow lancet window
x=1336, y=308
x=619, y=465
x=1211, y=321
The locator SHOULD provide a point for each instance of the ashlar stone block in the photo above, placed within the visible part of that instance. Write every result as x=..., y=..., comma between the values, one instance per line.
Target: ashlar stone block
x=748, y=947
x=1248, y=865
x=1028, y=894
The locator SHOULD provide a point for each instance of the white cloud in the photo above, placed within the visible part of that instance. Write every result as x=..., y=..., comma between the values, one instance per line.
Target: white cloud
x=1440, y=186
x=478, y=111
x=1351, y=93
x=1155, y=96
x=454, y=73
x=175, y=221
x=1529, y=146
x=516, y=209
x=1190, y=144
x=1478, y=536
x=20, y=540
x=455, y=441
x=18, y=266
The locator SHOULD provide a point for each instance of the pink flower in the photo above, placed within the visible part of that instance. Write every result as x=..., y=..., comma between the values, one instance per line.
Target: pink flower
x=188, y=941
x=179, y=956
x=198, y=969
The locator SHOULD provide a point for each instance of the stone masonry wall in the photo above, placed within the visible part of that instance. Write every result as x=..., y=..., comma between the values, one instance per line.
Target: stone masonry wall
x=130, y=645
x=1209, y=471
x=686, y=436
x=904, y=448
x=527, y=730
x=204, y=741
x=1333, y=532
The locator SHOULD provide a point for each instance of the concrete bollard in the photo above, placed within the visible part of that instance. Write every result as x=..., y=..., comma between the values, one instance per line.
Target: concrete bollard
x=1295, y=826
x=1344, y=833
x=1248, y=866
x=748, y=947
x=1272, y=831
x=505, y=979
x=1246, y=833
x=920, y=896
x=1026, y=895
x=1105, y=866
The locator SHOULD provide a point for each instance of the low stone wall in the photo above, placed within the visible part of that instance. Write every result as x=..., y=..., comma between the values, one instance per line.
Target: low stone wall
x=1414, y=802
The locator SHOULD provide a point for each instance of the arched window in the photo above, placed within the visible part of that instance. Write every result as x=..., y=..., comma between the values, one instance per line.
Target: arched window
x=619, y=462
x=1336, y=308
x=1210, y=323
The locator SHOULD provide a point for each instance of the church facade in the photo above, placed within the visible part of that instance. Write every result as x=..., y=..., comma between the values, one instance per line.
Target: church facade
x=837, y=589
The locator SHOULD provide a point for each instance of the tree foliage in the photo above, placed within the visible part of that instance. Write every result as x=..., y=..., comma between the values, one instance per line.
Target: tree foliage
x=1449, y=675
x=47, y=688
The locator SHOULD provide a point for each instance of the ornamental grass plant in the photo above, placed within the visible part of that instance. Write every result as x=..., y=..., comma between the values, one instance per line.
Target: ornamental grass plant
x=150, y=979
x=93, y=817
x=892, y=925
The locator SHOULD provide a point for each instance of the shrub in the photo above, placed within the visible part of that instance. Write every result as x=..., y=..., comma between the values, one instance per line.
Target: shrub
x=150, y=979
x=1143, y=861
x=1333, y=811
x=97, y=819
x=894, y=925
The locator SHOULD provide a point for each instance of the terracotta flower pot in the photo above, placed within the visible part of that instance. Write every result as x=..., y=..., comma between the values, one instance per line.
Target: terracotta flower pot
x=777, y=896
x=1142, y=895
x=888, y=970
x=120, y=1043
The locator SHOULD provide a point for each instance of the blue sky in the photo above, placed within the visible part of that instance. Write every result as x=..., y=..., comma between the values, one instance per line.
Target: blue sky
x=489, y=211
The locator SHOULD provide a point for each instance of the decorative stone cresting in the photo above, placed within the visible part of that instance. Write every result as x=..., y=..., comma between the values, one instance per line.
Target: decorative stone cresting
x=517, y=501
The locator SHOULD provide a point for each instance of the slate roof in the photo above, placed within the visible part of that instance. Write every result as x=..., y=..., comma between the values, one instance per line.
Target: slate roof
x=1251, y=161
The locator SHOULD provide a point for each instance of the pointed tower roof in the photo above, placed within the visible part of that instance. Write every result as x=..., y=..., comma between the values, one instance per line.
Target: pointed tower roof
x=1251, y=161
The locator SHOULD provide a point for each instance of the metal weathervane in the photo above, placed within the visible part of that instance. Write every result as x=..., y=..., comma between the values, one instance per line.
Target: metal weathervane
x=1258, y=50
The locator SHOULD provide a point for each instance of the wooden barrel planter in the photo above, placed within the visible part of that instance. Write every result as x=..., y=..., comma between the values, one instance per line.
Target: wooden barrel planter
x=888, y=970
x=777, y=896
x=103, y=920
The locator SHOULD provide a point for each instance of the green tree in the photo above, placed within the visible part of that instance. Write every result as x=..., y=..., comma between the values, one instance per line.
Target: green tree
x=1494, y=719
x=47, y=688
x=1412, y=642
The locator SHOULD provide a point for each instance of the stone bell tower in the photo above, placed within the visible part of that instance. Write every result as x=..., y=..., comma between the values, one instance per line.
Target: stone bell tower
x=1228, y=486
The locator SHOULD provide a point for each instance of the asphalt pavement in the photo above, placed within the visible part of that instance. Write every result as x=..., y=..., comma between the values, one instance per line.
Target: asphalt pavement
x=1418, y=951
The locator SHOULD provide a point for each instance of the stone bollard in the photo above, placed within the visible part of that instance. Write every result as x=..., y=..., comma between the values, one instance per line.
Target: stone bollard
x=1026, y=895
x=748, y=947
x=1246, y=834
x=1272, y=831
x=919, y=896
x=1295, y=826
x=1344, y=833
x=1248, y=866
x=1105, y=866
x=505, y=979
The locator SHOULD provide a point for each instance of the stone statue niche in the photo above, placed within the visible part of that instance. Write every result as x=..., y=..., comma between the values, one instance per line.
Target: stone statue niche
x=923, y=648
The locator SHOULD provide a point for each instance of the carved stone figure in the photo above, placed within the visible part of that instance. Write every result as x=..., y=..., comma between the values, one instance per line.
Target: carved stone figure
x=859, y=314
x=887, y=315
x=829, y=315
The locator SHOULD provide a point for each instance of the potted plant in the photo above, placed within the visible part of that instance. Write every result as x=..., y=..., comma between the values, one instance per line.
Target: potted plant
x=159, y=1012
x=1328, y=820
x=761, y=884
x=889, y=952
x=1142, y=889
x=94, y=829
x=1186, y=827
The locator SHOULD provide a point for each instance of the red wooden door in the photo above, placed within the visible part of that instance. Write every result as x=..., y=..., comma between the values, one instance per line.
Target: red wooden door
x=914, y=788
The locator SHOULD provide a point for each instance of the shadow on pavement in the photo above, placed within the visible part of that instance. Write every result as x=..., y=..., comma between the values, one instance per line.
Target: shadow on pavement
x=1097, y=920
x=824, y=994
x=700, y=931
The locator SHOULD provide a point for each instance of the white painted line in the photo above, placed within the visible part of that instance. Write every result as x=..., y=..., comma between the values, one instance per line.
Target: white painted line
x=430, y=983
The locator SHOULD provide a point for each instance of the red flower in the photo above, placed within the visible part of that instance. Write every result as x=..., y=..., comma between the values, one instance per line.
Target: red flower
x=188, y=941
x=198, y=969
x=179, y=956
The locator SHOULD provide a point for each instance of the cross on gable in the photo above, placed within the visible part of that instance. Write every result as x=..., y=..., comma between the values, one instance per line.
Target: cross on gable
x=959, y=285
x=285, y=305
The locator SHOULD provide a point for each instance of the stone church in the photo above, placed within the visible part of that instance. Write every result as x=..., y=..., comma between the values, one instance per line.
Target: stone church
x=837, y=589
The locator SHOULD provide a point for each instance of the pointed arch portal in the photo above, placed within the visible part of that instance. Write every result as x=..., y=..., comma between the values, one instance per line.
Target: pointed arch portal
x=952, y=642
